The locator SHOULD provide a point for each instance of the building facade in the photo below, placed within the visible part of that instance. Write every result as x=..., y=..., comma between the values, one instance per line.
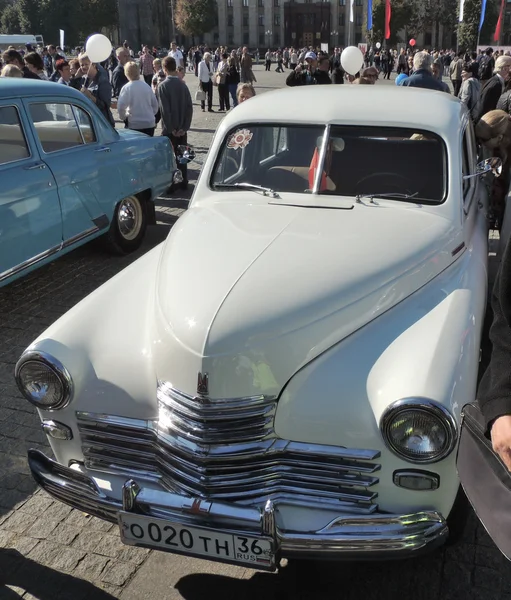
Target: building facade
x=279, y=23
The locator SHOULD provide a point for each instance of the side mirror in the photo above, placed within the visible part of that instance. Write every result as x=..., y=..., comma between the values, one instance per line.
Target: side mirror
x=184, y=155
x=493, y=165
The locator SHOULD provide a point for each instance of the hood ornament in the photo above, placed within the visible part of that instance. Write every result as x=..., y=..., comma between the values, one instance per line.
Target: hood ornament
x=203, y=384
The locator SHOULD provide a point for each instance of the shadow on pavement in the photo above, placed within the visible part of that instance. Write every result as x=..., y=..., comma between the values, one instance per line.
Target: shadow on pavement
x=42, y=582
x=308, y=580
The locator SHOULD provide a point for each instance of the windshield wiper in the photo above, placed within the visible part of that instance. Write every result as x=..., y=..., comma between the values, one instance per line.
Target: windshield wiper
x=249, y=186
x=360, y=197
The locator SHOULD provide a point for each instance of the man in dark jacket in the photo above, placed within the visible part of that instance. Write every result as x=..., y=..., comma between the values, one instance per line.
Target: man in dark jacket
x=176, y=108
x=310, y=74
x=119, y=79
x=495, y=390
x=13, y=57
x=494, y=87
x=422, y=74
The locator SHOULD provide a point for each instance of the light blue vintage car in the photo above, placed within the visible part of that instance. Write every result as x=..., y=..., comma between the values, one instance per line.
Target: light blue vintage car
x=67, y=177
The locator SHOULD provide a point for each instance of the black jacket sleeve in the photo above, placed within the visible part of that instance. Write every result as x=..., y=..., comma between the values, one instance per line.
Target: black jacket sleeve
x=294, y=79
x=495, y=389
x=503, y=103
x=490, y=95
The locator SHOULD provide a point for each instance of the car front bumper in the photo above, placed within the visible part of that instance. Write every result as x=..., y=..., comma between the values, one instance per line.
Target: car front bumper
x=345, y=537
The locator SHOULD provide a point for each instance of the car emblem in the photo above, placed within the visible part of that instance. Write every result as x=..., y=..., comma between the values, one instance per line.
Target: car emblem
x=203, y=384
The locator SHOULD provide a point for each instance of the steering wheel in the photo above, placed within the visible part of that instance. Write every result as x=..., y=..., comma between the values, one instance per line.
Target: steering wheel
x=389, y=183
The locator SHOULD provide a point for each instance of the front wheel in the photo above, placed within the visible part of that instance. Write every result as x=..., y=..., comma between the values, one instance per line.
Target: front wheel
x=128, y=226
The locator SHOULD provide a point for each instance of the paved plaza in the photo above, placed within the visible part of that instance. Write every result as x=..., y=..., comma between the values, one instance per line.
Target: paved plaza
x=50, y=552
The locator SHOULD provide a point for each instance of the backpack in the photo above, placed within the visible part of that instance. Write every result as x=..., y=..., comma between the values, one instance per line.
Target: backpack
x=485, y=68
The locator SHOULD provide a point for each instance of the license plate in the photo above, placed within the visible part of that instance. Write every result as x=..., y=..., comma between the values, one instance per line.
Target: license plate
x=139, y=530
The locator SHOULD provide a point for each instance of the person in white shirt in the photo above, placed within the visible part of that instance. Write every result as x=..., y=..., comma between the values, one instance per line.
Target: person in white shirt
x=137, y=104
x=177, y=55
x=205, y=81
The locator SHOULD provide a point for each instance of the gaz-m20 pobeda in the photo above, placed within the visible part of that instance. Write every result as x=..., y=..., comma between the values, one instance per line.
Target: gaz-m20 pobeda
x=284, y=376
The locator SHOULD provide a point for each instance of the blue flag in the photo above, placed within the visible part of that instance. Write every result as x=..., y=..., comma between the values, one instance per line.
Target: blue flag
x=483, y=13
x=369, y=14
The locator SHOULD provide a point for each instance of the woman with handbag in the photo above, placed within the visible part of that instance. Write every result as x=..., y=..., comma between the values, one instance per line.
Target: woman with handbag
x=221, y=81
x=233, y=79
x=205, y=82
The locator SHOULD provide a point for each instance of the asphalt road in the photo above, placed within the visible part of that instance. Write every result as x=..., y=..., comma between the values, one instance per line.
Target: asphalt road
x=50, y=552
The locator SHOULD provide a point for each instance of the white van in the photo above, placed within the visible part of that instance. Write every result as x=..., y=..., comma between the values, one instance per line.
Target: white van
x=20, y=40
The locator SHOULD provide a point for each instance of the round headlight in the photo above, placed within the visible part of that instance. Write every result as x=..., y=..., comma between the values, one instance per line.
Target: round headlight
x=43, y=380
x=418, y=430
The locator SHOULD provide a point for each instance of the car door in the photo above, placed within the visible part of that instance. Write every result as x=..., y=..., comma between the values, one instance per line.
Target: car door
x=68, y=140
x=30, y=215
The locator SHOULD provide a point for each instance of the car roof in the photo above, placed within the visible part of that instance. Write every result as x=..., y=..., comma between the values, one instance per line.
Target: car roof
x=15, y=87
x=353, y=105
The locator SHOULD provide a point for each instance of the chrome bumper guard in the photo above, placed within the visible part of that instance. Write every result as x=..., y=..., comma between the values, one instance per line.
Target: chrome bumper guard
x=347, y=536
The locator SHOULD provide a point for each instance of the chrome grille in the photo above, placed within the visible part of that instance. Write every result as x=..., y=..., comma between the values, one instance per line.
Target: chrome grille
x=219, y=421
x=227, y=450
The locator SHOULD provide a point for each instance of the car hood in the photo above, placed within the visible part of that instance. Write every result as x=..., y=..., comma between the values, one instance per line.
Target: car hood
x=251, y=293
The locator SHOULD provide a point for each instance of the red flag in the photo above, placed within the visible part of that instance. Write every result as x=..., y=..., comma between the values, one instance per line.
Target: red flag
x=498, y=29
x=388, y=13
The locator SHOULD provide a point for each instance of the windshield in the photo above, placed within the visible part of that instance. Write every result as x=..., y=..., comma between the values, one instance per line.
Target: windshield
x=396, y=163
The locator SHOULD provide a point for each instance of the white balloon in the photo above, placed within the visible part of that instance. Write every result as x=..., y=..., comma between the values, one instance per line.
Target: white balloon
x=352, y=60
x=378, y=45
x=98, y=47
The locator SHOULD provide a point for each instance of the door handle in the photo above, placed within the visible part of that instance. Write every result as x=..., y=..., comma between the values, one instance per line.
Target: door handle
x=35, y=167
x=104, y=149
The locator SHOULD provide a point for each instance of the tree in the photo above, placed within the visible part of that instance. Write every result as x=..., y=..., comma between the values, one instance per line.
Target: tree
x=468, y=31
x=401, y=16
x=30, y=16
x=10, y=20
x=195, y=17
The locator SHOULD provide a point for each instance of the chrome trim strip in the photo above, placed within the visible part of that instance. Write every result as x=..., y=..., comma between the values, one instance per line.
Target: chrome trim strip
x=322, y=157
x=347, y=535
x=57, y=367
x=79, y=237
x=421, y=405
x=31, y=261
x=246, y=472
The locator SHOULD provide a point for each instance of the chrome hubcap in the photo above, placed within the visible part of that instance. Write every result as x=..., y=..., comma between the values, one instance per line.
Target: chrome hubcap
x=130, y=218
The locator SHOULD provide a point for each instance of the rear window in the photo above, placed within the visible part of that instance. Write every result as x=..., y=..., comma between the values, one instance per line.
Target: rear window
x=354, y=161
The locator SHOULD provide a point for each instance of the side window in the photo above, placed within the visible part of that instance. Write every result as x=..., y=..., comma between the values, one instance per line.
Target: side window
x=56, y=126
x=13, y=145
x=85, y=124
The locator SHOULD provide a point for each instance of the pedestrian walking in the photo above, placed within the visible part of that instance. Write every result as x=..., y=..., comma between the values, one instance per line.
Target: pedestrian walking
x=455, y=73
x=146, y=65
x=493, y=88
x=95, y=84
x=176, y=108
x=280, y=61
x=221, y=82
x=119, y=79
x=267, y=59
x=470, y=90
x=233, y=79
x=205, y=81
x=137, y=104
x=246, y=73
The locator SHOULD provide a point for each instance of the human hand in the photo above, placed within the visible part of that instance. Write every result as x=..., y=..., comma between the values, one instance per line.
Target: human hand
x=298, y=69
x=501, y=439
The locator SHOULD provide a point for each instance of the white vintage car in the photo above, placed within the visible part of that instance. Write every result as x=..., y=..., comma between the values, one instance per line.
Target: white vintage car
x=283, y=377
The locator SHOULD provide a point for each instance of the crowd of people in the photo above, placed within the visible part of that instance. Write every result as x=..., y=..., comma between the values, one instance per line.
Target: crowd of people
x=148, y=89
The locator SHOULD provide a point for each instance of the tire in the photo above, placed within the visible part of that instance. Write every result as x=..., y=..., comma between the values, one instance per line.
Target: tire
x=128, y=226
